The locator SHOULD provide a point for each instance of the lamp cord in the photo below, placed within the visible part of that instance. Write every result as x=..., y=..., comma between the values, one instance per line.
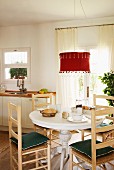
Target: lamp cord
x=83, y=8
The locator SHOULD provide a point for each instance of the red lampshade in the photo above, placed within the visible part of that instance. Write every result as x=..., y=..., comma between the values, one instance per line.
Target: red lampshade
x=74, y=61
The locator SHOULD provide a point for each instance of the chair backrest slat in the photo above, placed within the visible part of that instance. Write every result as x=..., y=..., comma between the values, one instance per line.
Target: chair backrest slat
x=13, y=134
x=14, y=121
x=104, y=129
x=105, y=144
x=103, y=111
x=103, y=98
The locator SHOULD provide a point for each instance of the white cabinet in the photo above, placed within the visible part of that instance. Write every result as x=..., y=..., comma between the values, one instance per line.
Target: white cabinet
x=15, y=100
x=1, y=111
x=26, y=104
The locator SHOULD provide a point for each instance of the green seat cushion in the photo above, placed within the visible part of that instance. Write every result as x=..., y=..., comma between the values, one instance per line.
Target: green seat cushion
x=85, y=148
x=31, y=139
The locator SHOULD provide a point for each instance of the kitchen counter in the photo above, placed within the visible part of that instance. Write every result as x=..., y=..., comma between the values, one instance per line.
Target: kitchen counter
x=14, y=93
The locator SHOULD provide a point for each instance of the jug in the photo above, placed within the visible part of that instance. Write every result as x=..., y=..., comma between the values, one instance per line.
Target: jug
x=2, y=88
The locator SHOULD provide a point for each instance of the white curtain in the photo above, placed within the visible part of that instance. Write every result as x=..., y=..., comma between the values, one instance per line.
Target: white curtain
x=66, y=94
x=106, y=47
x=66, y=41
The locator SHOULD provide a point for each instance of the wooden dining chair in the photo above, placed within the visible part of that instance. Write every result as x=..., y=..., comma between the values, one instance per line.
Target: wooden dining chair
x=100, y=101
x=39, y=104
x=93, y=152
x=27, y=151
x=41, y=100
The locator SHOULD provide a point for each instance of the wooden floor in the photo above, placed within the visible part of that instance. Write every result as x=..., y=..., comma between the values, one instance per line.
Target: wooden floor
x=5, y=156
x=4, y=151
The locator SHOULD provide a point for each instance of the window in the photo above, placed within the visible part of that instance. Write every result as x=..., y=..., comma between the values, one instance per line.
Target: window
x=15, y=63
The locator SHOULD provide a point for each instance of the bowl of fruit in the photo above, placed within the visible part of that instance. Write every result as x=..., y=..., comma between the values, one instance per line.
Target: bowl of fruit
x=43, y=91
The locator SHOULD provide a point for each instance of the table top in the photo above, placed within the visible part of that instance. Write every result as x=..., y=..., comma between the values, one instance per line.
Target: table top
x=58, y=122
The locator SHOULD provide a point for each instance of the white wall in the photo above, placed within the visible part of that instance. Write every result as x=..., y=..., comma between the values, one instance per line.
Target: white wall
x=41, y=39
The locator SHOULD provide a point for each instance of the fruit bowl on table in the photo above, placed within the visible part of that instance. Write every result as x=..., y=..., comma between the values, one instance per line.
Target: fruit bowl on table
x=48, y=112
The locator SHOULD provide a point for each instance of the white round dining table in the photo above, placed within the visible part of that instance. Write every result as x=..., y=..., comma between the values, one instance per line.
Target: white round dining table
x=64, y=126
x=57, y=122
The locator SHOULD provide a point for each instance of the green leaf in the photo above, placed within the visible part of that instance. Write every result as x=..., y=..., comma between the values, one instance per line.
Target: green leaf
x=108, y=80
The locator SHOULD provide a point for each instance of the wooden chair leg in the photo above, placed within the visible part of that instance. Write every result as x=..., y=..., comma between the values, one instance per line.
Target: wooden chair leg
x=11, y=155
x=19, y=160
x=37, y=164
x=71, y=160
x=82, y=134
x=34, y=128
x=44, y=132
x=49, y=155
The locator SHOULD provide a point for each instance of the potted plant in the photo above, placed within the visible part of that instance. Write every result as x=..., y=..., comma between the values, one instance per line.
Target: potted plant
x=16, y=72
x=108, y=80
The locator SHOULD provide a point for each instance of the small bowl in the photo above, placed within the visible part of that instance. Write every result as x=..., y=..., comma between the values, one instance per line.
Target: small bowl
x=48, y=112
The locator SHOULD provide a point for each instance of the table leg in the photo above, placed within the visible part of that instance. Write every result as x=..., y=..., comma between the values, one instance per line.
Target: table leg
x=65, y=136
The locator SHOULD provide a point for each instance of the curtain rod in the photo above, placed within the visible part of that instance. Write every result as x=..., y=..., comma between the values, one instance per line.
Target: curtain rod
x=83, y=26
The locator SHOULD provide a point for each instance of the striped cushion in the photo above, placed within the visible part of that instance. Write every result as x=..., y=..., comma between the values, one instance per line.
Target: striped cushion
x=31, y=139
x=85, y=148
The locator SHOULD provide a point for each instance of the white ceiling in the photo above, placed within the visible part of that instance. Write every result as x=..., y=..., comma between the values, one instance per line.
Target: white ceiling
x=22, y=12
